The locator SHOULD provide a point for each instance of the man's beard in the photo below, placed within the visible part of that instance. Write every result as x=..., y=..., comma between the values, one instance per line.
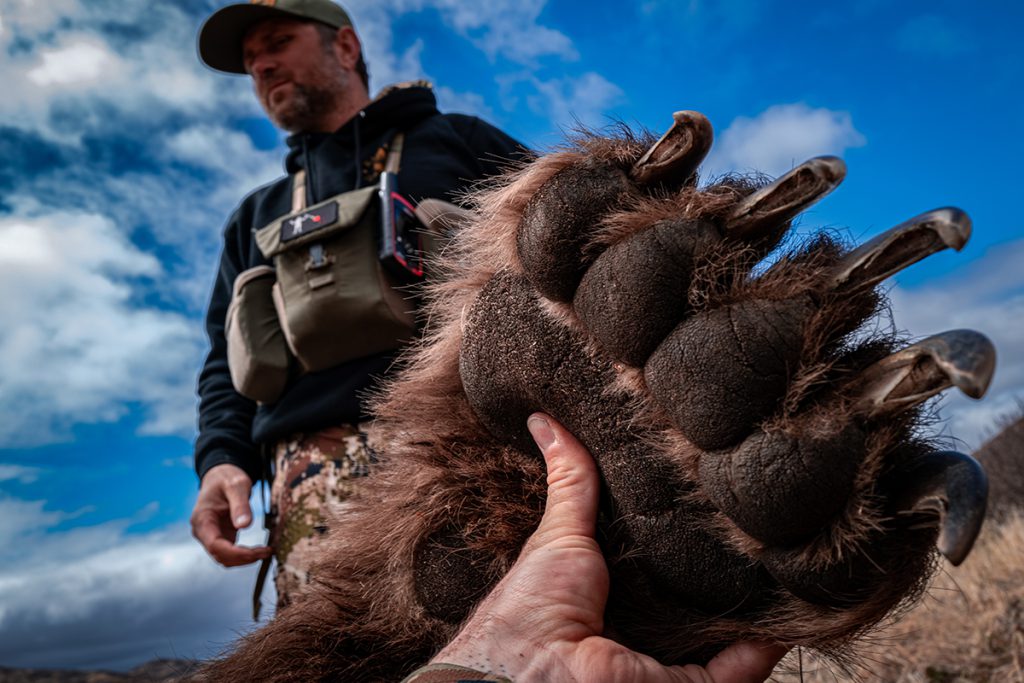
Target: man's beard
x=306, y=108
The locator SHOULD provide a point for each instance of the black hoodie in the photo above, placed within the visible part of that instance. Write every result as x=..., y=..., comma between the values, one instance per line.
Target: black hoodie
x=443, y=154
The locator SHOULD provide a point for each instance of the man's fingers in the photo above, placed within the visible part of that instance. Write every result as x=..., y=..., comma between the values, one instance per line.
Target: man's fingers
x=746, y=662
x=207, y=530
x=221, y=548
x=231, y=555
x=573, y=482
x=220, y=511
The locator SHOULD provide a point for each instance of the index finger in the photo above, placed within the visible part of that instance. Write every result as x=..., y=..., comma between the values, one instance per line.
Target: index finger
x=222, y=549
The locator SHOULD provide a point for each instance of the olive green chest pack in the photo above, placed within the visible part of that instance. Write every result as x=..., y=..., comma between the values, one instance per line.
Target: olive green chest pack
x=327, y=300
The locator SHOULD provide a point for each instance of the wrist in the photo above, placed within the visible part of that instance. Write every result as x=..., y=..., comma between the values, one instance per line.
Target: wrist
x=224, y=470
x=441, y=672
x=500, y=653
x=250, y=463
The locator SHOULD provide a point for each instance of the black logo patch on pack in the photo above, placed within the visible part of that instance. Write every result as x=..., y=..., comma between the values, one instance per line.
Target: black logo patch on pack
x=309, y=221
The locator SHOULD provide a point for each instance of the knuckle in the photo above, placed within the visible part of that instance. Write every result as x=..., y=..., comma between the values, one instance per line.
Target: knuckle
x=238, y=481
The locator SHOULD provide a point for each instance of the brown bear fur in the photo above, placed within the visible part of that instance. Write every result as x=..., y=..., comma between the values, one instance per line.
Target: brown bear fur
x=460, y=486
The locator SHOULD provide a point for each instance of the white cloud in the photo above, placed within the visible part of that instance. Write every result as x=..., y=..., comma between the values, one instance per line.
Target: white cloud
x=89, y=335
x=500, y=28
x=27, y=17
x=73, y=42
x=76, y=347
x=780, y=138
x=98, y=596
x=24, y=475
x=193, y=179
x=463, y=102
x=571, y=100
x=393, y=66
x=74, y=64
x=231, y=153
x=987, y=295
x=144, y=142
x=22, y=517
x=78, y=61
x=508, y=28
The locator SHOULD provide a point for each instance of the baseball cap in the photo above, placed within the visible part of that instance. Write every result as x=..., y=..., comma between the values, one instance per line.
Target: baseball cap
x=220, y=38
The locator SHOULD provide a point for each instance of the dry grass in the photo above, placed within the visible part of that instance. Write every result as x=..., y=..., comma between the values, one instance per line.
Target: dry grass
x=969, y=627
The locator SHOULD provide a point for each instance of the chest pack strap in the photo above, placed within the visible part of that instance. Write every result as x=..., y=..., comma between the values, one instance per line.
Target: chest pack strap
x=394, y=154
x=391, y=165
x=299, y=191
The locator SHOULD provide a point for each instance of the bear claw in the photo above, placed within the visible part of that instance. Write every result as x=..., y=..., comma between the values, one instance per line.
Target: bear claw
x=955, y=488
x=774, y=205
x=676, y=155
x=961, y=358
x=903, y=246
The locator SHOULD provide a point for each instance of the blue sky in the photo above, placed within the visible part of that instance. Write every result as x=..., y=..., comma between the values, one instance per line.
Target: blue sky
x=122, y=157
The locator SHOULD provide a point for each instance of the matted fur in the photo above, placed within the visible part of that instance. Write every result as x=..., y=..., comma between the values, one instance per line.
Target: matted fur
x=364, y=617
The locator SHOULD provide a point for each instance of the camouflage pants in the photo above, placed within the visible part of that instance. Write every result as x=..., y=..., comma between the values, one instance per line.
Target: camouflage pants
x=311, y=472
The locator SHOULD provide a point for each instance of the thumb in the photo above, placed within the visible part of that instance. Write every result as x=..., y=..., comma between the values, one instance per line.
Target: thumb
x=745, y=662
x=573, y=481
x=238, y=504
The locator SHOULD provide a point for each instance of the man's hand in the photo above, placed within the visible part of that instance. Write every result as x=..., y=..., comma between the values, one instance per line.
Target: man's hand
x=221, y=510
x=544, y=620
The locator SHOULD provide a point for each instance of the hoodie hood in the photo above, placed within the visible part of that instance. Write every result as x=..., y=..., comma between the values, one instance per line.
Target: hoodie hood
x=397, y=106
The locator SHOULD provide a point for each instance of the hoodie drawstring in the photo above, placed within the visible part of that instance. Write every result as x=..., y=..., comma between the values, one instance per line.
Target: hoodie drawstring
x=309, y=172
x=358, y=149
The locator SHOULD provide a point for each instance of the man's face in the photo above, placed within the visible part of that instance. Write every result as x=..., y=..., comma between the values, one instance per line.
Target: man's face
x=298, y=80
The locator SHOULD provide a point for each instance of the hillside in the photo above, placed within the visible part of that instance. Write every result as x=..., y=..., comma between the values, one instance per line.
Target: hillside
x=970, y=627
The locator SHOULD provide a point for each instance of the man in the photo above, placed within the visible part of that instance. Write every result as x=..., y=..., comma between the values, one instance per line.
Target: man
x=308, y=72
